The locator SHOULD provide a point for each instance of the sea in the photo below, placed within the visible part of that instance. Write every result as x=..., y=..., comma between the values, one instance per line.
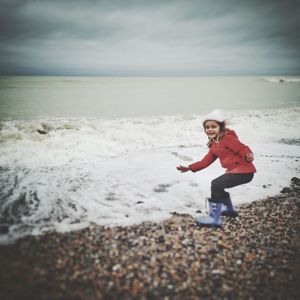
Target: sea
x=77, y=151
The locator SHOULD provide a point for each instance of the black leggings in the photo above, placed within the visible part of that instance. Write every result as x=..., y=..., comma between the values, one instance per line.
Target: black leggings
x=227, y=181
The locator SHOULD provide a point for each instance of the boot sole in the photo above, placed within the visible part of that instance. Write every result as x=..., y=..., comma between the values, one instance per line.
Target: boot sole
x=209, y=225
x=229, y=214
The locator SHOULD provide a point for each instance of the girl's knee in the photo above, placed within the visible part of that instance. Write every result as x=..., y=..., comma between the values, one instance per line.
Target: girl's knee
x=216, y=184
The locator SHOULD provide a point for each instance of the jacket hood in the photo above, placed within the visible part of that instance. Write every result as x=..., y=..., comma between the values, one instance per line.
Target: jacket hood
x=230, y=132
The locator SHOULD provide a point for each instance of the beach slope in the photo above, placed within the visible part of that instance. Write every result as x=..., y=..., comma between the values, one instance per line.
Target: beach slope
x=255, y=256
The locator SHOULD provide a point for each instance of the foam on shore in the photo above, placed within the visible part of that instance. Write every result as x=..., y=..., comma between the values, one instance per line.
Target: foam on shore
x=123, y=171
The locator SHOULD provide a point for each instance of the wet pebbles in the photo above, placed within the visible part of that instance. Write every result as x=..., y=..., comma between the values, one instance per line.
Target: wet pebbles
x=255, y=256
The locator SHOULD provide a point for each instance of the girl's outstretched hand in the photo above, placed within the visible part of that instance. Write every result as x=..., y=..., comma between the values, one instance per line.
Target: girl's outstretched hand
x=183, y=169
x=249, y=157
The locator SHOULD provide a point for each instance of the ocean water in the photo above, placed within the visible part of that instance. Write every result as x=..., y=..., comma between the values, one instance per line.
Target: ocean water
x=27, y=98
x=77, y=151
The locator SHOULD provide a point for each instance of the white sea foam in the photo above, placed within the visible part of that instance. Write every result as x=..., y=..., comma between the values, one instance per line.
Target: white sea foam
x=122, y=171
x=283, y=79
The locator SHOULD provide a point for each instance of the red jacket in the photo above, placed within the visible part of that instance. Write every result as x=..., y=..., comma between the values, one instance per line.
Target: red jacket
x=231, y=153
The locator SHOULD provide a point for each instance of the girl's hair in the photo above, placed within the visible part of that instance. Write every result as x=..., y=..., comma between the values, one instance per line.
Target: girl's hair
x=222, y=126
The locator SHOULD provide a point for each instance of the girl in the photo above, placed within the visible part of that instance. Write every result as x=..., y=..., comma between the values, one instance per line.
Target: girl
x=234, y=156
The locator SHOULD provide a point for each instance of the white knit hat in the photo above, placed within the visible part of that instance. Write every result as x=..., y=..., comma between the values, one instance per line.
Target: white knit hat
x=215, y=115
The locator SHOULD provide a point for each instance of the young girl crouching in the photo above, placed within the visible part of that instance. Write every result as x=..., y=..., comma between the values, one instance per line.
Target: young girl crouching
x=234, y=156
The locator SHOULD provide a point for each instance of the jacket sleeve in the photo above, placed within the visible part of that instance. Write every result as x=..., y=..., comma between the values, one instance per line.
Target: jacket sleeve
x=233, y=143
x=208, y=159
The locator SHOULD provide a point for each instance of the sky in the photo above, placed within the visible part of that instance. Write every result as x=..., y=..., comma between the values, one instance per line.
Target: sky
x=150, y=37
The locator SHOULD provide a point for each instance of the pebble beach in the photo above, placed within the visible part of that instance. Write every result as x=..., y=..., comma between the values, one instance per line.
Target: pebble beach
x=255, y=256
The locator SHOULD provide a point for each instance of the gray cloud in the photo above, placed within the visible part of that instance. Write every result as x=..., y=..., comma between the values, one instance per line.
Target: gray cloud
x=149, y=37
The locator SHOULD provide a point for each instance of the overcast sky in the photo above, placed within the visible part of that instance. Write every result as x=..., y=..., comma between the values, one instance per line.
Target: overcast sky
x=150, y=38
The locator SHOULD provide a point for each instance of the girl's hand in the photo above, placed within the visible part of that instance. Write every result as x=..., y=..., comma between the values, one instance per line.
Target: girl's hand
x=249, y=157
x=183, y=169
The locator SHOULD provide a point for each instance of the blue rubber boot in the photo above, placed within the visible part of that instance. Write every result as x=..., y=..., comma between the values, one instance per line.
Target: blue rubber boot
x=227, y=208
x=214, y=214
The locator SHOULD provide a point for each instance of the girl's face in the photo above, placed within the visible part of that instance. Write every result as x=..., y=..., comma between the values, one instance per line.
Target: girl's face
x=212, y=129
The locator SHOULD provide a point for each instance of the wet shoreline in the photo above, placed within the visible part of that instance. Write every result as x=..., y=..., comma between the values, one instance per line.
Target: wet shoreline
x=255, y=256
